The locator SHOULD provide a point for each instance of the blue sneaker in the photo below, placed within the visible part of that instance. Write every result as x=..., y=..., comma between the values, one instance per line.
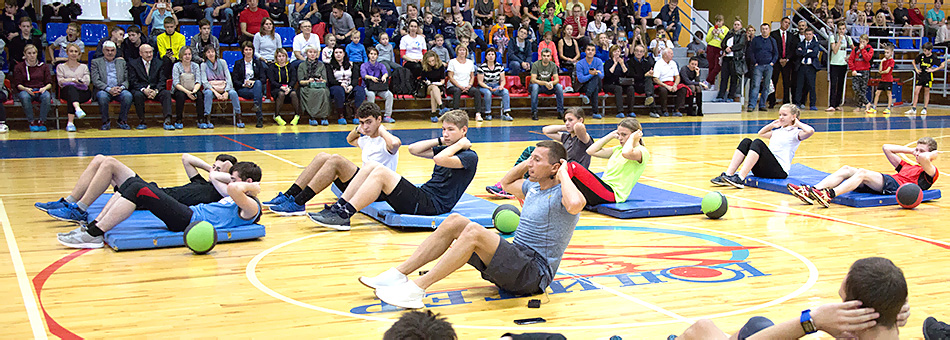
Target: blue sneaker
x=324, y=122
x=314, y=122
x=388, y=120
x=202, y=126
x=597, y=116
x=168, y=126
x=210, y=126
x=621, y=115
x=105, y=126
x=124, y=126
x=179, y=126
x=41, y=128
x=141, y=126
x=585, y=99
x=289, y=208
x=813, y=108
x=341, y=121
x=487, y=117
x=434, y=119
x=69, y=213
x=34, y=128
x=443, y=111
x=239, y=125
x=281, y=198
x=47, y=206
x=356, y=121
x=632, y=115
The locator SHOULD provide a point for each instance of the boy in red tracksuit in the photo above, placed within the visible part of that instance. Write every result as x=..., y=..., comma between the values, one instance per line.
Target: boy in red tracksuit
x=859, y=62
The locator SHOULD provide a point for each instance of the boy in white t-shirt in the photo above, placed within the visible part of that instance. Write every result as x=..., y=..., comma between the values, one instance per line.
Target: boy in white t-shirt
x=462, y=80
x=377, y=144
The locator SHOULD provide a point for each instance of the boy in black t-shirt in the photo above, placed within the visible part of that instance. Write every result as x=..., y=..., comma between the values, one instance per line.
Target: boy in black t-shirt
x=454, y=169
x=925, y=65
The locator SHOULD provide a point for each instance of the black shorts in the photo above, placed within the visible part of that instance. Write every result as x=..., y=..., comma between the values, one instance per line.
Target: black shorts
x=514, y=268
x=924, y=80
x=340, y=184
x=890, y=187
x=175, y=215
x=884, y=86
x=406, y=198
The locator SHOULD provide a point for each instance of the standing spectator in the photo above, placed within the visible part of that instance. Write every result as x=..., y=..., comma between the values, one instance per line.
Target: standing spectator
x=462, y=80
x=886, y=71
x=304, y=38
x=72, y=37
x=733, y=63
x=491, y=81
x=203, y=40
x=156, y=18
x=924, y=67
x=669, y=19
x=787, y=44
x=314, y=93
x=376, y=78
x=763, y=54
x=714, y=48
x=169, y=44
x=808, y=51
x=689, y=76
x=250, y=20
x=860, y=64
x=186, y=81
x=641, y=70
x=578, y=22
x=839, y=45
x=266, y=41
x=934, y=16
x=219, y=9
x=73, y=79
x=590, y=75
x=666, y=76
x=344, y=86
x=283, y=84
x=616, y=69
x=15, y=47
x=216, y=82
x=519, y=53
x=248, y=77
x=433, y=76
x=147, y=81
x=411, y=49
x=110, y=81
x=544, y=79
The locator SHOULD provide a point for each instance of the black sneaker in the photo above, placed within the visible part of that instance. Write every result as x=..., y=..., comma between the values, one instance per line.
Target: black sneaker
x=720, y=180
x=735, y=181
x=330, y=219
x=534, y=116
x=934, y=329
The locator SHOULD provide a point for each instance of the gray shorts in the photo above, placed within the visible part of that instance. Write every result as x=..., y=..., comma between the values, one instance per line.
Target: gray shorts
x=514, y=268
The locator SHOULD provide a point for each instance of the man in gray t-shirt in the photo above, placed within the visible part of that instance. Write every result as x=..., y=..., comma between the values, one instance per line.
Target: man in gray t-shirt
x=552, y=205
x=342, y=23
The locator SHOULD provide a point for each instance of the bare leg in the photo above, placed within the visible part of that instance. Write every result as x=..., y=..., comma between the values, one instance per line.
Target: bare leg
x=836, y=178
x=877, y=95
x=473, y=239
x=381, y=180
x=83, y=182
x=335, y=167
x=359, y=179
x=737, y=158
x=435, y=244
x=703, y=329
x=110, y=172
x=316, y=164
x=872, y=179
x=120, y=210
x=750, y=161
x=926, y=96
x=109, y=205
x=916, y=92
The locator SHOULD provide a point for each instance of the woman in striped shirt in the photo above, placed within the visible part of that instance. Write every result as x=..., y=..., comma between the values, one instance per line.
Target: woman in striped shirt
x=491, y=81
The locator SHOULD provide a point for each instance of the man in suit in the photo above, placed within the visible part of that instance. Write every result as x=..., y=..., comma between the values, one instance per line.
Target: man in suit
x=110, y=81
x=787, y=43
x=808, y=52
x=148, y=82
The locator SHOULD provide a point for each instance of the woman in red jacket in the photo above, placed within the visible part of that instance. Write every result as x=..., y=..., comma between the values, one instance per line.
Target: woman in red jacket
x=859, y=62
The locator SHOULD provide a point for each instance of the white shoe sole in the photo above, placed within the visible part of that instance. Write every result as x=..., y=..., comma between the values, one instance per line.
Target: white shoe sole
x=289, y=214
x=334, y=227
x=736, y=185
x=64, y=219
x=81, y=245
x=401, y=304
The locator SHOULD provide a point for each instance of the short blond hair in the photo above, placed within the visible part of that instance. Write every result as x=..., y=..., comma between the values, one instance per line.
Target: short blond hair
x=929, y=142
x=459, y=118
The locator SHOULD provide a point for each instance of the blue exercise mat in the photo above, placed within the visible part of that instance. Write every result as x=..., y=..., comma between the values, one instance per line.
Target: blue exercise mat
x=475, y=209
x=649, y=201
x=142, y=230
x=801, y=174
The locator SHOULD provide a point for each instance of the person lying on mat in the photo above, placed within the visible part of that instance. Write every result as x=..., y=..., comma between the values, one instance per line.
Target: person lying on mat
x=874, y=295
x=526, y=266
x=848, y=179
x=573, y=134
x=377, y=145
x=106, y=171
x=625, y=164
x=240, y=208
x=772, y=161
x=454, y=169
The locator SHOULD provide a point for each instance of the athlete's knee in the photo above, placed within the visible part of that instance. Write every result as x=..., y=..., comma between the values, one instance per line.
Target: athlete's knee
x=703, y=329
x=454, y=224
x=846, y=169
x=472, y=233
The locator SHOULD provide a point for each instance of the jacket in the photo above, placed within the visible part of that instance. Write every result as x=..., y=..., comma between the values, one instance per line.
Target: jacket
x=238, y=75
x=31, y=76
x=520, y=54
x=98, y=73
x=138, y=78
x=281, y=75
x=860, y=59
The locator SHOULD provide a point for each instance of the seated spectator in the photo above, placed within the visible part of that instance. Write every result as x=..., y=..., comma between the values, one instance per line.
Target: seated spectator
x=528, y=24
x=429, y=28
x=135, y=40
x=116, y=36
x=219, y=9
x=342, y=78
x=169, y=44
x=186, y=82
x=304, y=10
x=277, y=10
x=110, y=80
x=436, y=7
x=204, y=39
x=660, y=44
x=217, y=85
x=484, y=13
x=615, y=25
x=72, y=37
x=639, y=38
x=314, y=93
x=138, y=12
x=355, y=50
x=411, y=48
x=590, y=75
x=385, y=50
x=689, y=76
x=549, y=22
x=464, y=29
x=283, y=83
x=669, y=19
x=491, y=81
x=376, y=78
x=548, y=43
x=250, y=20
x=440, y=49
x=410, y=14
x=602, y=42
x=33, y=80
x=266, y=41
x=342, y=23
x=147, y=81
x=578, y=22
x=519, y=53
x=248, y=79
x=544, y=79
x=596, y=27
x=666, y=76
x=374, y=27
x=156, y=18
x=462, y=80
x=568, y=48
x=303, y=38
x=326, y=53
x=498, y=34
x=618, y=80
x=511, y=9
x=16, y=45
x=73, y=79
x=388, y=12
x=448, y=29
x=433, y=75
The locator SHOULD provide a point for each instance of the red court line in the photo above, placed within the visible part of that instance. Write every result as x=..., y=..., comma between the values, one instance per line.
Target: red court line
x=38, y=282
x=231, y=139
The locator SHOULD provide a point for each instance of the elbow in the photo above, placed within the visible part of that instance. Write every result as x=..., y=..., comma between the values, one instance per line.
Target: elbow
x=440, y=160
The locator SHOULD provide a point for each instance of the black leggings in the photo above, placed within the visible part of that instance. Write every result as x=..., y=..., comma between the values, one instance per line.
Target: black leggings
x=181, y=97
x=414, y=67
x=72, y=95
x=3, y=110
x=767, y=166
x=622, y=94
x=149, y=196
x=593, y=188
x=280, y=99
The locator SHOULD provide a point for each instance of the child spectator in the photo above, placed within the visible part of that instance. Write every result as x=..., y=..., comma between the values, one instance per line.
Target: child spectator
x=385, y=49
x=886, y=71
x=498, y=34
x=925, y=65
x=355, y=50
x=440, y=50
x=860, y=64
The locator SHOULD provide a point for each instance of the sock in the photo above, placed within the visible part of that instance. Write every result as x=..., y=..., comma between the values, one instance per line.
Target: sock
x=93, y=229
x=304, y=196
x=70, y=199
x=348, y=209
x=831, y=192
x=82, y=206
x=293, y=191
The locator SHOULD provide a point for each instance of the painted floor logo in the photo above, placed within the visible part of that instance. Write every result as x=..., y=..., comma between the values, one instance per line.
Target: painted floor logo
x=717, y=260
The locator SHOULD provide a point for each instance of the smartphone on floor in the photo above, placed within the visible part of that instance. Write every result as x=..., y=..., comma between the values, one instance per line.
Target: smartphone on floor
x=529, y=321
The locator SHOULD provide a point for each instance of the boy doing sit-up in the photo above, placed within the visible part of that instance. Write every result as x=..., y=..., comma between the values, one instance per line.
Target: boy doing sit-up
x=378, y=145
x=454, y=169
x=849, y=179
x=240, y=208
x=104, y=171
x=527, y=265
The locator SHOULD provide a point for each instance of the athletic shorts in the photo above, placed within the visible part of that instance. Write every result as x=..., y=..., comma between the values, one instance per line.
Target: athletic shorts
x=890, y=187
x=340, y=184
x=884, y=86
x=407, y=198
x=514, y=268
x=924, y=80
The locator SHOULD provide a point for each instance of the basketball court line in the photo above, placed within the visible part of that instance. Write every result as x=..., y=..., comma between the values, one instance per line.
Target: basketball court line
x=628, y=297
x=29, y=301
x=263, y=152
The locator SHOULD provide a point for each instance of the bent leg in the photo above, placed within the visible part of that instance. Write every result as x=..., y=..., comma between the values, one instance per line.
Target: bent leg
x=381, y=180
x=435, y=244
x=86, y=177
x=473, y=239
x=315, y=164
x=703, y=329
x=110, y=172
x=738, y=156
x=872, y=179
x=335, y=167
x=837, y=177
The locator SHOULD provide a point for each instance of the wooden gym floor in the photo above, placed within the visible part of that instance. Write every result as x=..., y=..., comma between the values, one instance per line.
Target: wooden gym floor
x=770, y=255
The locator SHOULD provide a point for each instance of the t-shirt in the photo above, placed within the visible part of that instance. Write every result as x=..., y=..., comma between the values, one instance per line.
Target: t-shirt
x=492, y=76
x=907, y=173
x=222, y=214
x=545, y=225
x=61, y=44
x=576, y=149
x=548, y=24
x=622, y=174
x=197, y=191
x=374, y=150
x=300, y=43
x=924, y=62
x=462, y=73
x=665, y=71
x=447, y=185
x=343, y=24
x=889, y=76
x=840, y=58
x=593, y=28
x=577, y=22
x=158, y=19
x=252, y=19
x=543, y=73
x=414, y=47
x=783, y=144
x=936, y=16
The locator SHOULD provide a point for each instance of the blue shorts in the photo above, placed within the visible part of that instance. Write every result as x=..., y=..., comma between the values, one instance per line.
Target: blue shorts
x=890, y=187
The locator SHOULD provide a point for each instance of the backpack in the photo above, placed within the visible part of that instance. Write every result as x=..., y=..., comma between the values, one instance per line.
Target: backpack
x=228, y=32
x=402, y=82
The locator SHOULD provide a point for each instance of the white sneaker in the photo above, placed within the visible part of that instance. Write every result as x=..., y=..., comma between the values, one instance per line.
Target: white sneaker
x=478, y=117
x=406, y=295
x=391, y=277
x=79, y=238
x=923, y=112
x=80, y=113
x=4, y=128
x=912, y=111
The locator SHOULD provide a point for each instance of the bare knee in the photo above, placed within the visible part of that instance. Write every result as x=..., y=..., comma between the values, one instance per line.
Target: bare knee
x=703, y=329
x=471, y=233
x=454, y=225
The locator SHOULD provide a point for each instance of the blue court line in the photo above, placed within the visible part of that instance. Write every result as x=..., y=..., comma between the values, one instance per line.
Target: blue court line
x=34, y=148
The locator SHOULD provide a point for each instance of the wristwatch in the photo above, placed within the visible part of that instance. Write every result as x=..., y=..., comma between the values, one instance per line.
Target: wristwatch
x=807, y=324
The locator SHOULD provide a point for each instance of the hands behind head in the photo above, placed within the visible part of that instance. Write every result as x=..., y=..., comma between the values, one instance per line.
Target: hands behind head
x=637, y=134
x=843, y=318
x=464, y=143
x=613, y=135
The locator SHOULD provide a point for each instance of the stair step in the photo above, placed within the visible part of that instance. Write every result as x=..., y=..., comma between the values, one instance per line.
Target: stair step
x=734, y=107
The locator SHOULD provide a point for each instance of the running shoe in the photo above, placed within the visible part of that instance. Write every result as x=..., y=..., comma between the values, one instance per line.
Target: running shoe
x=79, y=238
x=330, y=219
x=720, y=180
x=281, y=198
x=69, y=213
x=289, y=208
x=800, y=191
x=47, y=206
x=820, y=195
x=498, y=191
x=280, y=121
x=735, y=181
